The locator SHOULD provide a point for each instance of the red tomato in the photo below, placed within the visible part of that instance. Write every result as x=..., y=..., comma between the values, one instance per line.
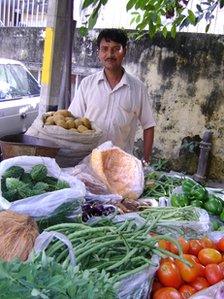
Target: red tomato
x=169, y=275
x=200, y=283
x=167, y=293
x=213, y=273
x=207, y=243
x=187, y=291
x=201, y=269
x=156, y=285
x=188, y=273
x=194, y=247
x=220, y=245
x=221, y=266
x=164, y=244
x=183, y=244
x=209, y=256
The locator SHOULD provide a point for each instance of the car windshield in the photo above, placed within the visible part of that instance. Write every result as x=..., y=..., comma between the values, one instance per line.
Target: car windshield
x=16, y=82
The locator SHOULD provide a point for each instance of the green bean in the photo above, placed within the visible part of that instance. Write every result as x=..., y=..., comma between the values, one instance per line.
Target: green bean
x=122, y=261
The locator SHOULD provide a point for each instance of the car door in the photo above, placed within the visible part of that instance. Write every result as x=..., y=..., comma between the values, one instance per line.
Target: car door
x=19, y=98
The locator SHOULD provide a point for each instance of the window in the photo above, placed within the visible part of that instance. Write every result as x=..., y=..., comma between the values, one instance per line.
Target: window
x=16, y=82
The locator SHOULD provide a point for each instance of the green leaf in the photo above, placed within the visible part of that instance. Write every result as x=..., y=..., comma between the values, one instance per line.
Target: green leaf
x=130, y=4
x=92, y=20
x=207, y=27
x=221, y=5
x=173, y=31
x=164, y=31
x=87, y=3
x=83, y=31
x=191, y=17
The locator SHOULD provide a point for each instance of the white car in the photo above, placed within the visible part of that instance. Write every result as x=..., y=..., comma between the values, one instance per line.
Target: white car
x=19, y=97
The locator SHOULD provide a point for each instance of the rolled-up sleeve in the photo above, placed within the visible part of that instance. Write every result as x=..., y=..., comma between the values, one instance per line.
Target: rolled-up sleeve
x=145, y=112
x=78, y=104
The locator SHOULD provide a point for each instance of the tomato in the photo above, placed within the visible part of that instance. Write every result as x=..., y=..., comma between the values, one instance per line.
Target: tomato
x=207, y=243
x=209, y=256
x=187, y=291
x=201, y=269
x=213, y=273
x=200, y=283
x=188, y=273
x=156, y=285
x=183, y=243
x=169, y=275
x=194, y=247
x=164, y=244
x=167, y=293
x=220, y=245
x=221, y=266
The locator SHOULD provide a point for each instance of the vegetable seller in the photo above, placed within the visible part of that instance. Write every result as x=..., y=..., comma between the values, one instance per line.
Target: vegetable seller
x=114, y=99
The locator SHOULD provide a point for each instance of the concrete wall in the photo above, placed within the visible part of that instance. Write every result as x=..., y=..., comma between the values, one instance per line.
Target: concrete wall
x=185, y=79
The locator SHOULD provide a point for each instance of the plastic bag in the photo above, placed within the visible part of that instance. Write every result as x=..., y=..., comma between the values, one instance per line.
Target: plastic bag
x=138, y=285
x=43, y=205
x=73, y=145
x=44, y=239
x=96, y=186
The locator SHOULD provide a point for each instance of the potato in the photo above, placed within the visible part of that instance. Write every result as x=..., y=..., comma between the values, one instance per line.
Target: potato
x=74, y=130
x=46, y=115
x=58, y=118
x=82, y=128
x=71, y=124
x=86, y=122
x=69, y=118
x=78, y=122
x=63, y=112
x=50, y=120
x=62, y=124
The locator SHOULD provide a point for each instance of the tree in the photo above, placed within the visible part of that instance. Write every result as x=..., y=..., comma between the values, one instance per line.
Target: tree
x=164, y=16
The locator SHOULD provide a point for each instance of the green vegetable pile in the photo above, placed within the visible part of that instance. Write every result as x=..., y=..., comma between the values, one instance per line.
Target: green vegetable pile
x=196, y=195
x=120, y=249
x=158, y=185
x=17, y=184
x=46, y=279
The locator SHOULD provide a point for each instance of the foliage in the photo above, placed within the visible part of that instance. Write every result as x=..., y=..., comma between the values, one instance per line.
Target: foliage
x=44, y=278
x=17, y=184
x=164, y=16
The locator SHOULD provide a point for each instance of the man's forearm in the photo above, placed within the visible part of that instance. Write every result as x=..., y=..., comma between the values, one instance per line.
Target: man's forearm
x=148, y=136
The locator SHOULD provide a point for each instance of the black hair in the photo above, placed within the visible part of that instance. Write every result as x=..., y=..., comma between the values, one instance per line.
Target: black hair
x=115, y=35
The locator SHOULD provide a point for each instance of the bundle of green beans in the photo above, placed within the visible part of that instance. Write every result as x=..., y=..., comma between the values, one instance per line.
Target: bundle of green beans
x=188, y=213
x=119, y=249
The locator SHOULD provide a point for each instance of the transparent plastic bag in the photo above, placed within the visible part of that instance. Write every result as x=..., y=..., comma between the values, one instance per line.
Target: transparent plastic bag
x=43, y=205
x=95, y=187
x=45, y=238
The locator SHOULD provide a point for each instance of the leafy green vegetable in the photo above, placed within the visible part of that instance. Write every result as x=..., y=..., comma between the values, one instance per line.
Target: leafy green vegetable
x=14, y=172
x=14, y=184
x=10, y=195
x=46, y=279
x=61, y=185
x=41, y=186
x=27, y=179
x=38, y=172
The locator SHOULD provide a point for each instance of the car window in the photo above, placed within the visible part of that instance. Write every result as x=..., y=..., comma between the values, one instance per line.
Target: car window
x=16, y=82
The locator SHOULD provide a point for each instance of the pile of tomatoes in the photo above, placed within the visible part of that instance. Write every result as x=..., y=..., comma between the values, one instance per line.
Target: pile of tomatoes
x=176, y=280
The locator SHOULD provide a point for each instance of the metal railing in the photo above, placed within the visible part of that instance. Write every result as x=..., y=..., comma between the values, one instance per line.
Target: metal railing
x=23, y=13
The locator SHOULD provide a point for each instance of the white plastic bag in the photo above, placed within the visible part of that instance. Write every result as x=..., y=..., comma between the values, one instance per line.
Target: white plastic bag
x=43, y=205
x=74, y=146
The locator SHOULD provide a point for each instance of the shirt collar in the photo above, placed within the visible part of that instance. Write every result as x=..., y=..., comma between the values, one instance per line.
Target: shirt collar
x=124, y=79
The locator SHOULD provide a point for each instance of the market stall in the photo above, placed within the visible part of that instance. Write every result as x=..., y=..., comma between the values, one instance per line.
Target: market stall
x=106, y=229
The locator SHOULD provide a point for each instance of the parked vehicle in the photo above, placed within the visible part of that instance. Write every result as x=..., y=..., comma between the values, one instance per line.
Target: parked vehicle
x=19, y=97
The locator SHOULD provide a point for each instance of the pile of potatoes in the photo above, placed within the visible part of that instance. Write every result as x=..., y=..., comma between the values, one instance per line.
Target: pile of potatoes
x=66, y=120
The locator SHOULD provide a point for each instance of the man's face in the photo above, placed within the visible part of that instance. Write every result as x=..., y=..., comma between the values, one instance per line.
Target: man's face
x=111, y=54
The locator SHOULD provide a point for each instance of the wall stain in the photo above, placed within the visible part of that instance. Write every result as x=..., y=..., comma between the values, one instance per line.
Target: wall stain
x=212, y=102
